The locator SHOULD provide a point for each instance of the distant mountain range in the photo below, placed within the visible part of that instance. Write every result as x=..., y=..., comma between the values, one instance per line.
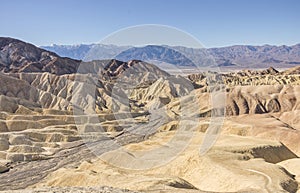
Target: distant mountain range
x=87, y=52
x=244, y=56
x=156, y=54
x=20, y=56
x=17, y=56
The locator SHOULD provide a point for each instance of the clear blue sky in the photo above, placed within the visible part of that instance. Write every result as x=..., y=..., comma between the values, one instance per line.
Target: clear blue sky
x=214, y=22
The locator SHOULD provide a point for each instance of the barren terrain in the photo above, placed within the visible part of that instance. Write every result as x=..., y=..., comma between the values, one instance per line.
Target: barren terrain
x=113, y=126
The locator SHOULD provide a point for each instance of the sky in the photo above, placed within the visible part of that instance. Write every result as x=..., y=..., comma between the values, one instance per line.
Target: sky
x=214, y=23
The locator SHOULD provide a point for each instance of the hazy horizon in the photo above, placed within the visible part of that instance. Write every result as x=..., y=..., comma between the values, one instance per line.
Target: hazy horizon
x=94, y=43
x=79, y=44
x=214, y=23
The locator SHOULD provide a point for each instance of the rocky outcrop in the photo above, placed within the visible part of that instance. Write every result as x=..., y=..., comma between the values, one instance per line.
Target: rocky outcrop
x=265, y=99
x=268, y=76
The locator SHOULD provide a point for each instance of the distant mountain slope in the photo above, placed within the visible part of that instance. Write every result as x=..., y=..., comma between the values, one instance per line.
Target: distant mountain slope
x=244, y=56
x=258, y=56
x=87, y=52
x=155, y=53
x=71, y=51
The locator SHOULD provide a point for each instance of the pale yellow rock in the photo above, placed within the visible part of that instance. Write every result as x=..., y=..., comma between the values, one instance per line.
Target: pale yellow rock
x=221, y=169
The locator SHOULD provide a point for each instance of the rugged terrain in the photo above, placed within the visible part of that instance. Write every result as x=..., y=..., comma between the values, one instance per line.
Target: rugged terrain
x=73, y=126
x=238, y=56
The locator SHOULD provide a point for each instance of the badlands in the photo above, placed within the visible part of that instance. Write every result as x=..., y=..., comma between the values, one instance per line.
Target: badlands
x=113, y=126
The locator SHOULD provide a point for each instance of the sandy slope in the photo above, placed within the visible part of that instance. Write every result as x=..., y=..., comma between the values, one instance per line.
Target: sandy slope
x=293, y=166
x=232, y=165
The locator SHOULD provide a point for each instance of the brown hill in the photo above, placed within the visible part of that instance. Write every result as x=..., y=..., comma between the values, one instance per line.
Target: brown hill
x=18, y=56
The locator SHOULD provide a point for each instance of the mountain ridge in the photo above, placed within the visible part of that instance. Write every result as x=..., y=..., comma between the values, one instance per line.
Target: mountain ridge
x=243, y=56
x=17, y=56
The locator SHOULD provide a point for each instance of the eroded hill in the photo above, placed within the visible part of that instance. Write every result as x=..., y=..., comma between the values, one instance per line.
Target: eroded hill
x=131, y=125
